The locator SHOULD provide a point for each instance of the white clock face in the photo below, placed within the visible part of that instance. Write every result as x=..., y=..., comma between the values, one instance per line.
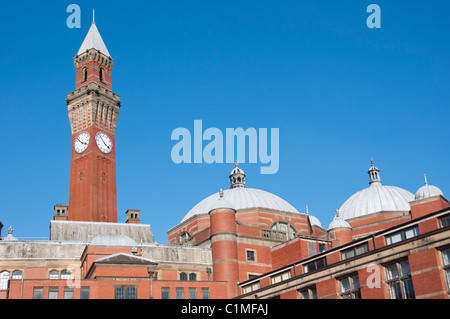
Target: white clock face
x=104, y=143
x=81, y=142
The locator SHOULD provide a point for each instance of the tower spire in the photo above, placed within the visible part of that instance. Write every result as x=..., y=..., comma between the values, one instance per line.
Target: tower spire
x=93, y=16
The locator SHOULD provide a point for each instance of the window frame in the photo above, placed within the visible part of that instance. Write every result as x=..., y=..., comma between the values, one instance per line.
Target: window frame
x=354, y=287
x=396, y=286
x=446, y=265
x=444, y=221
x=403, y=235
x=315, y=263
x=310, y=292
x=354, y=249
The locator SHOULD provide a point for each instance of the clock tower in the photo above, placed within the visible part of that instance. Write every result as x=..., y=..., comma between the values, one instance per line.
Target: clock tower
x=93, y=112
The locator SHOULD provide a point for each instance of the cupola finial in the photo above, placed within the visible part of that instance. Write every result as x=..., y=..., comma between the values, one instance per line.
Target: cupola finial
x=374, y=174
x=93, y=16
x=237, y=177
x=425, y=177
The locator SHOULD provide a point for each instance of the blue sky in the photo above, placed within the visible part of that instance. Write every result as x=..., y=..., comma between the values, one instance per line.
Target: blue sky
x=339, y=92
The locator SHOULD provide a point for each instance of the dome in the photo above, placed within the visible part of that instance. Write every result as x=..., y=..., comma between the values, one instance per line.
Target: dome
x=241, y=198
x=376, y=198
x=338, y=222
x=427, y=191
x=113, y=240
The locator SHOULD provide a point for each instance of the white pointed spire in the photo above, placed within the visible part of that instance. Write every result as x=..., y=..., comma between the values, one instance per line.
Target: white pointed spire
x=93, y=40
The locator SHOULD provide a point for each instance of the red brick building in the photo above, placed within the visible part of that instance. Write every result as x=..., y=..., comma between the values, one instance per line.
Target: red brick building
x=241, y=242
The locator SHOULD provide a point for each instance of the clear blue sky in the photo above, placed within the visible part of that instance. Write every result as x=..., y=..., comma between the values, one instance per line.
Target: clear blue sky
x=339, y=92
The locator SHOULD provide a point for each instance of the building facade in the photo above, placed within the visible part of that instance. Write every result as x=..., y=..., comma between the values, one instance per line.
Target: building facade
x=383, y=243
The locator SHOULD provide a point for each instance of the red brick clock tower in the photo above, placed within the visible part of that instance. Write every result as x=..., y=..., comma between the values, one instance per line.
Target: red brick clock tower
x=93, y=112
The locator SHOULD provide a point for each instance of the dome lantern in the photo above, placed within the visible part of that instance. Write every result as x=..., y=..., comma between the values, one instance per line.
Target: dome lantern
x=237, y=177
x=374, y=174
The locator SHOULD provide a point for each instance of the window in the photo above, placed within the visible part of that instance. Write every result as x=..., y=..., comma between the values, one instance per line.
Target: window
x=53, y=274
x=285, y=228
x=125, y=293
x=445, y=220
x=68, y=293
x=314, y=265
x=53, y=293
x=250, y=288
x=308, y=293
x=185, y=236
x=38, y=293
x=192, y=293
x=179, y=293
x=401, y=235
x=84, y=293
x=355, y=251
x=165, y=293
x=251, y=255
x=192, y=277
x=85, y=75
x=399, y=280
x=101, y=75
x=205, y=293
x=349, y=287
x=4, y=278
x=321, y=247
x=17, y=274
x=183, y=276
x=280, y=277
x=65, y=274
x=446, y=257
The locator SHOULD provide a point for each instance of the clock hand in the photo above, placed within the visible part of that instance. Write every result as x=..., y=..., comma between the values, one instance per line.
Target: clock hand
x=104, y=143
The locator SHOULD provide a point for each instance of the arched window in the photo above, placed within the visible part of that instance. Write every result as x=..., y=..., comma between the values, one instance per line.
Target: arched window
x=184, y=236
x=53, y=274
x=183, y=276
x=65, y=274
x=4, y=278
x=17, y=274
x=101, y=75
x=285, y=228
x=85, y=75
x=192, y=277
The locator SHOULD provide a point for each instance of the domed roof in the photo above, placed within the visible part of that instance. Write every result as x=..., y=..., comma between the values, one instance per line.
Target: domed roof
x=376, y=198
x=427, y=191
x=338, y=222
x=240, y=198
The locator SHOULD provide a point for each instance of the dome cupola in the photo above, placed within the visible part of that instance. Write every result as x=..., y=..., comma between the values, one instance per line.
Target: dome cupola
x=237, y=177
x=427, y=191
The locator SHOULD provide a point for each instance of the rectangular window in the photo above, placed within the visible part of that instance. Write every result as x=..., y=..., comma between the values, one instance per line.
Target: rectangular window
x=205, y=293
x=446, y=258
x=192, y=293
x=321, y=247
x=280, y=277
x=84, y=293
x=68, y=293
x=125, y=292
x=38, y=293
x=354, y=251
x=445, y=220
x=399, y=280
x=314, y=265
x=165, y=293
x=349, y=287
x=179, y=293
x=251, y=255
x=308, y=293
x=250, y=288
x=53, y=293
x=401, y=235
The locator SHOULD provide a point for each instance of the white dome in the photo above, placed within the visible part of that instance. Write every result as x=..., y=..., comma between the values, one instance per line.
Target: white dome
x=338, y=222
x=240, y=198
x=427, y=191
x=376, y=198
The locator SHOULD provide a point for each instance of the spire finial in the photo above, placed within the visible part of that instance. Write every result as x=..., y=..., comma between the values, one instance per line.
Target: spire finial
x=425, y=177
x=93, y=16
x=236, y=163
x=221, y=193
x=307, y=211
x=371, y=161
x=337, y=213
